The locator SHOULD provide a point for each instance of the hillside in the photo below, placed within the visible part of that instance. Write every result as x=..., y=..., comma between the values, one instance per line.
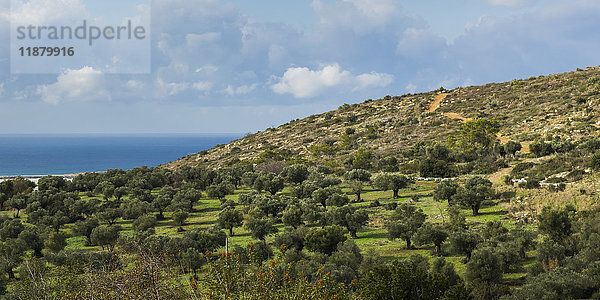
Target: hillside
x=557, y=105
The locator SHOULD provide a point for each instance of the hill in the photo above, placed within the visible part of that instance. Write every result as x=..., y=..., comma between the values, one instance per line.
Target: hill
x=560, y=105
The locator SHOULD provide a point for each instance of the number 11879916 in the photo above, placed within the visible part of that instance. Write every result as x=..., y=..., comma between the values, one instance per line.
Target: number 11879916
x=47, y=51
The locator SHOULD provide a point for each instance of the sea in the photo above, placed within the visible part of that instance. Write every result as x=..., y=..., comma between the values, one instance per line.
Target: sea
x=79, y=153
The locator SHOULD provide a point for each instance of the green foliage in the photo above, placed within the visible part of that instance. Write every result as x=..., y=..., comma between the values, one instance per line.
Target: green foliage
x=260, y=227
x=220, y=190
x=407, y=280
x=229, y=218
x=486, y=265
x=511, y=147
x=404, y=223
x=392, y=182
x=179, y=217
x=445, y=190
x=430, y=233
x=362, y=159
x=475, y=134
x=473, y=193
x=350, y=217
x=144, y=223
x=324, y=240
x=295, y=173
x=292, y=216
x=85, y=228
x=105, y=236
x=561, y=283
x=555, y=223
x=464, y=242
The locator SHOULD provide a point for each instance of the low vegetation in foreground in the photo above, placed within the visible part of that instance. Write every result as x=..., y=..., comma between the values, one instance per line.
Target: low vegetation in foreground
x=470, y=214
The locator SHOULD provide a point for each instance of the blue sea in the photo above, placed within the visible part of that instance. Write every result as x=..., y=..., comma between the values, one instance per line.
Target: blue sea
x=66, y=154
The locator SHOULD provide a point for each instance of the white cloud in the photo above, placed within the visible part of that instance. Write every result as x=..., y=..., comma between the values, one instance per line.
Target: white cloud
x=306, y=83
x=1, y=88
x=202, y=86
x=373, y=79
x=240, y=90
x=511, y=3
x=171, y=88
x=85, y=84
x=47, y=11
x=134, y=84
x=207, y=69
x=360, y=16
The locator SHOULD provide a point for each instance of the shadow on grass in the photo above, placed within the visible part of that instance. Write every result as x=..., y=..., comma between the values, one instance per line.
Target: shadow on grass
x=371, y=233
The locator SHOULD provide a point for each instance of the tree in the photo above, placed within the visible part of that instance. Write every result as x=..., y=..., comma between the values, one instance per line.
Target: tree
x=185, y=199
x=329, y=196
x=274, y=185
x=356, y=178
x=17, y=202
x=110, y=215
x=220, y=190
x=479, y=133
x=392, y=182
x=144, y=222
x=358, y=175
x=296, y=173
x=435, y=168
x=105, y=236
x=85, y=228
x=473, y=193
x=56, y=241
x=179, y=218
x=56, y=183
x=33, y=240
x=408, y=279
x=445, y=190
x=430, y=233
x=362, y=159
x=464, y=242
x=292, y=216
x=555, y=223
x=259, y=225
x=486, y=265
x=324, y=240
x=11, y=229
x=350, y=217
x=11, y=255
x=404, y=223
x=230, y=218
x=356, y=188
x=105, y=188
x=163, y=200
x=291, y=239
x=511, y=147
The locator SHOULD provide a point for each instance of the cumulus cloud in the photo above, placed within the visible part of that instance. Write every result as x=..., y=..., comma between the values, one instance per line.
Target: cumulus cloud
x=240, y=90
x=559, y=37
x=1, y=88
x=306, y=83
x=85, y=84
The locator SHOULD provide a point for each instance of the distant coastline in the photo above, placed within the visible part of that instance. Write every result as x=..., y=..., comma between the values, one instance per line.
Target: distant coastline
x=67, y=176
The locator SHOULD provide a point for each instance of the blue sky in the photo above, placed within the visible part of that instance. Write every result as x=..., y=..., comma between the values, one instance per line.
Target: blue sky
x=240, y=66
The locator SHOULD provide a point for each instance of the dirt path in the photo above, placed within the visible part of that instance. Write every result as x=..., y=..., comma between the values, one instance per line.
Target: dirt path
x=457, y=116
x=497, y=177
x=437, y=101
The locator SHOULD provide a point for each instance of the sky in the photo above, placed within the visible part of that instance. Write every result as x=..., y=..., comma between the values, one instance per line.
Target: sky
x=240, y=66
